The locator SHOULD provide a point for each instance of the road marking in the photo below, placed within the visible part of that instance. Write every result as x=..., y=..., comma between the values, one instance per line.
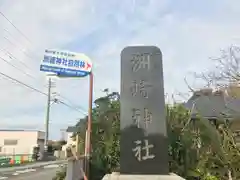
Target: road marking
x=15, y=174
x=51, y=166
x=20, y=172
x=31, y=170
x=42, y=174
x=25, y=171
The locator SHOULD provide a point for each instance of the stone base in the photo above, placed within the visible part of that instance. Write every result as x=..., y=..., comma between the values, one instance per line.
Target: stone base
x=117, y=176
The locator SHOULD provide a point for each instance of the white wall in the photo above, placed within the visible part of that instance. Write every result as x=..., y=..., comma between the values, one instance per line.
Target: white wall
x=69, y=138
x=26, y=140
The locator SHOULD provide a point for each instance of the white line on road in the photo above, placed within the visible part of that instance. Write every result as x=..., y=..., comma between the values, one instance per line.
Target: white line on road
x=25, y=171
x=51, y=166
x=46, y=174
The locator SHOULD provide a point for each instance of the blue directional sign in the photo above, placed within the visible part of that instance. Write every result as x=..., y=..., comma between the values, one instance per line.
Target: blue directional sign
x=66, y=63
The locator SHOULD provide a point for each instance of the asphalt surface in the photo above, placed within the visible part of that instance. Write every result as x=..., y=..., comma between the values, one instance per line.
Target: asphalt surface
x=32, y=165
x=43, y=173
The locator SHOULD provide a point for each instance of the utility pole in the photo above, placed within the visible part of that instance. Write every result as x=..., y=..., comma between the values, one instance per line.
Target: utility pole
x=47, y=113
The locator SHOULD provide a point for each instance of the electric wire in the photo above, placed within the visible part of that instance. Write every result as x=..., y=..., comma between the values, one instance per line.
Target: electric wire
x=29, y=75
x=3, y=15
x=16, y=81
x=10, y=56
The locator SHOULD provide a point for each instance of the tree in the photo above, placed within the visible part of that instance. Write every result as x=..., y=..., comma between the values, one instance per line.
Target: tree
x=56, y=145
x=196, y=147
x=226, y=74
x=105, y=135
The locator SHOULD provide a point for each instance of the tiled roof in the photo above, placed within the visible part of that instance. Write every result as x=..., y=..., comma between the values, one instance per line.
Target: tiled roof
x=214, y=105
x=71, y=129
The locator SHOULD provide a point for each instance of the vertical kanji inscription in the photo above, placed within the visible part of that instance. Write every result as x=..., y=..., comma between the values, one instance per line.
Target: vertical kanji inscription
x=143, y=145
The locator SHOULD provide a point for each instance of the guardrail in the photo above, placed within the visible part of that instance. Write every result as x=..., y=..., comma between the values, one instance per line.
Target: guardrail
x=14, y=160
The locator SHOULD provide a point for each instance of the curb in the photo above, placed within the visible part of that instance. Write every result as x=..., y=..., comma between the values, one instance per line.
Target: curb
x=18, y=168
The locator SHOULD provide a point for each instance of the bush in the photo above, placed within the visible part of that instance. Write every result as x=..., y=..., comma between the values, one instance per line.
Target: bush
x=60, y=175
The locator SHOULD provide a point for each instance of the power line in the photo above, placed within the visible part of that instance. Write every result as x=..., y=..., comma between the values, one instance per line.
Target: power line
x=22, y=83
x=11, y=56
x=79, y=110
x=77, y=106
x=36, y=90
x=29, y=75
x=17, y=47
x=1, y=13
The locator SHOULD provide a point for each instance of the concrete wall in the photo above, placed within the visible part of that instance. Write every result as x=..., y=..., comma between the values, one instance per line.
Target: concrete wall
x=25, y=141
x=69, y=138
x=40, y=142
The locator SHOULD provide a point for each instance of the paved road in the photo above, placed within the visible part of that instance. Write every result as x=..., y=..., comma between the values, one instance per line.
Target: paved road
x=32, y=165
x=46, y=173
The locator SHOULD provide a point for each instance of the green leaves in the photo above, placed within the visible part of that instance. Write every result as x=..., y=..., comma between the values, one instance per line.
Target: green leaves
x=105, y=135
x=197, y=148
x=61, y=174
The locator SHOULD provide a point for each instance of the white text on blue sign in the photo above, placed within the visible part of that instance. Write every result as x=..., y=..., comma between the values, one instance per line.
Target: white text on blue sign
x=64, y=61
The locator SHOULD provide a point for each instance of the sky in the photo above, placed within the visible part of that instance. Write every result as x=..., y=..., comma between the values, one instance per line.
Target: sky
x=187, y=32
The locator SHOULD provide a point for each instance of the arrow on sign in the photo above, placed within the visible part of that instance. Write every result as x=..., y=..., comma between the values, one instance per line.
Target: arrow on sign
x=88, y=65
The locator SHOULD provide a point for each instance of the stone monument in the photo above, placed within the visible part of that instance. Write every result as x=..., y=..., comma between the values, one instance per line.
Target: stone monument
x=143, y=143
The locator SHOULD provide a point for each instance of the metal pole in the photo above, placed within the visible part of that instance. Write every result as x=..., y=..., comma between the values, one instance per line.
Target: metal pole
x=89, y=127
x=47, y=114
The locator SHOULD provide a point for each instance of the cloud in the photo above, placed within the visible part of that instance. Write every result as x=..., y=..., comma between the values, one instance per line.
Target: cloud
x=187, y=32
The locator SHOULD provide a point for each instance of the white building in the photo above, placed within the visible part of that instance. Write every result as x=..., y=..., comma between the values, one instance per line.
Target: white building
x=20, y=141
x=70, y=130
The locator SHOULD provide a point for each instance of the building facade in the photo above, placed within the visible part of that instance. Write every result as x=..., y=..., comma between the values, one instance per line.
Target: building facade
x=15, y=142
x=70, y=132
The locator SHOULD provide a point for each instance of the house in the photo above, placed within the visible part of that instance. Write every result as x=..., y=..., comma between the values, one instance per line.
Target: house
x=20, y=142
x=70, y=131
x=216, y=105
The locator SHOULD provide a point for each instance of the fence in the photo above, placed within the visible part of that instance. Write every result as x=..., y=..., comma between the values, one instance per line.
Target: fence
x=14, y=160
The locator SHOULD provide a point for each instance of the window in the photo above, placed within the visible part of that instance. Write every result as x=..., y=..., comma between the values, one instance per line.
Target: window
x=10, y=142
x=0, y=149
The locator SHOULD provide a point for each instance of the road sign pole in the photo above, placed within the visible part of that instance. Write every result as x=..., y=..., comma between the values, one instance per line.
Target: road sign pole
x=47, y=114
x=67, y=64
x=89, y=128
